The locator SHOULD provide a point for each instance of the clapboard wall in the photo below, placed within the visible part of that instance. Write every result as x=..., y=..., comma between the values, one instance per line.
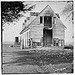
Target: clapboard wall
x=37, y=27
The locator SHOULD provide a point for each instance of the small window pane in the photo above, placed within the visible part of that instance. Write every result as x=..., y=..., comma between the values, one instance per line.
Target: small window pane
x=40, y=19
x=54, y=20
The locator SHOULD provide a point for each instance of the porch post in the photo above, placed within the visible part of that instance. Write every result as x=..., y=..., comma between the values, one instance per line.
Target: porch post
x=21, y=44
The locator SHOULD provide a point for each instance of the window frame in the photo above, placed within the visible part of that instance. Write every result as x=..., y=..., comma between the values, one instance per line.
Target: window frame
x=54, y=20
x=41, y=19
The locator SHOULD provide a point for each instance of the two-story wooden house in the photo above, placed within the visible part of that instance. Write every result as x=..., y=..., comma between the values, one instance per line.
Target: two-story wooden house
x=43, y=29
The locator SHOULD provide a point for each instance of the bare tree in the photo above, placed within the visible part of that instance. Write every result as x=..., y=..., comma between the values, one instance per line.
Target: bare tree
x=68, y=10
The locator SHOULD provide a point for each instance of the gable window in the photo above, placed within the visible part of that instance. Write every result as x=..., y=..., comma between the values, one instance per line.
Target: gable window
x=41, y=19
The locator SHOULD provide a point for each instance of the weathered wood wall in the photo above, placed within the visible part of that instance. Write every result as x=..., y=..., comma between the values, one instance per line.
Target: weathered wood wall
x=37, y=32
x=25, y=38
x=36, y=28
x=58, y=30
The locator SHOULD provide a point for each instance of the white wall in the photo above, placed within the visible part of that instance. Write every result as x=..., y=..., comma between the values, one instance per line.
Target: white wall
x=24, y=37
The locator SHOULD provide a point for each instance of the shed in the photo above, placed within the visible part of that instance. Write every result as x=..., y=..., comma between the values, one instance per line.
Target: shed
x=43, y=29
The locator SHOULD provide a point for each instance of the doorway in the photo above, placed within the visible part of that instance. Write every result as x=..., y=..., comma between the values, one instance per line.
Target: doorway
x=47, y=37
x=48, y=21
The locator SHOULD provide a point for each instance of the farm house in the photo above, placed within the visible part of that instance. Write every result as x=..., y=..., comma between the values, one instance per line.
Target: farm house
x=43, y=29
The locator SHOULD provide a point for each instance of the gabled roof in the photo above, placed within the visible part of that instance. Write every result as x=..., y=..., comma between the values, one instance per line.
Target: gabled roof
x=41, y=12
x=38, y=15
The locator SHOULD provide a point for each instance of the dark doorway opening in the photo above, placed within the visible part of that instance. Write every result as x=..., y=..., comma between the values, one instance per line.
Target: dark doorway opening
x=16, y=39
x=48, y=21
x=47, y=37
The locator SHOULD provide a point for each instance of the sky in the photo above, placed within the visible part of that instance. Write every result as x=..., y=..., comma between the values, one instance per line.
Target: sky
x=13, y=30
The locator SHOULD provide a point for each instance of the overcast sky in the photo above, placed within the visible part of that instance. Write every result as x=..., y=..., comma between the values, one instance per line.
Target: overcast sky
x=13, y=30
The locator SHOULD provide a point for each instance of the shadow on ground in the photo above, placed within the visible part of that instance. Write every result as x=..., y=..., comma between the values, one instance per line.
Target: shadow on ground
x=51, y=61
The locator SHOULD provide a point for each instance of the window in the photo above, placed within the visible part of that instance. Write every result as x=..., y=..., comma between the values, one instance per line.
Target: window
x=41, y=19
x=59, y=42
x=54, y=20
x=25, y=21
x=62, y=42
x=56, y=42
x=28, y=18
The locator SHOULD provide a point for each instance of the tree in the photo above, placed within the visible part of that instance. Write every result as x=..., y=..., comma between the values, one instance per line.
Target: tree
x=68, y=10
x=10, y=11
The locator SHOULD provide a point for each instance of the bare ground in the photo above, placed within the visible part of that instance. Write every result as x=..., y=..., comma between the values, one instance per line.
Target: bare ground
x=37, y=61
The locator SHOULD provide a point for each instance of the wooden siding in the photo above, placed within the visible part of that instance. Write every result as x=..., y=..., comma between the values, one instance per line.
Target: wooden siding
x=36, y=32
x=47, y=11
x=25, y=38
x=36, y=28
x=58, y=30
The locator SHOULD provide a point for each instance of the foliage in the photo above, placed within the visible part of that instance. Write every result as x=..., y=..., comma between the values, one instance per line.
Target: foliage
x=10, y=11
x=68, y=9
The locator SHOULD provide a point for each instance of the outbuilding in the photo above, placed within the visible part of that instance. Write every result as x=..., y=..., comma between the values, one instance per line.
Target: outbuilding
x=43, y=29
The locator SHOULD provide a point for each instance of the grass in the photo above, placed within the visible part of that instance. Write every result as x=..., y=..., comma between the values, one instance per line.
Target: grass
x=53, y=57
x=48, y=61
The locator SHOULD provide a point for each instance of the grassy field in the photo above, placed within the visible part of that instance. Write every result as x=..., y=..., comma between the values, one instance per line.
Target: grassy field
x=38, y=61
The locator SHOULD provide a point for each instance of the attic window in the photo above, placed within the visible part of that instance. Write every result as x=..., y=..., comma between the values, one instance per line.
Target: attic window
x=41, y=19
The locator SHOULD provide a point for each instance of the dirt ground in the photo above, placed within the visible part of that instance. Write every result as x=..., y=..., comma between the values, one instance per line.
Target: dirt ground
x=15, y=60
